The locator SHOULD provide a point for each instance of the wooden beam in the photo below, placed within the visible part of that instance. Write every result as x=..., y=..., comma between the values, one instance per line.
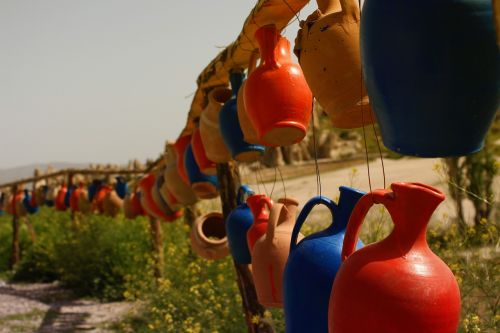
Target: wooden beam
x=15, y=254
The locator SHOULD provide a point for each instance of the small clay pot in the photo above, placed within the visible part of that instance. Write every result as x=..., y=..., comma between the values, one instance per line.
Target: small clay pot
x=180, y=190
x=207, y=166
x=208, y=236
x=112, y=204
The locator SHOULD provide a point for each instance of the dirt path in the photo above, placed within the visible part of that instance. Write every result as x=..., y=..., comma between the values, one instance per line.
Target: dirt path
x=48, y=308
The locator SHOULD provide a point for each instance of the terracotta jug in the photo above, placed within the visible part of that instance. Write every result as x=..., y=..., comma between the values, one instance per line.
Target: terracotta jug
x=206, y=166
x=29, y=203
x=237, y=224
x=232, y=134
x=249, y=132
x=211, y=136
x=277, y=98
x=20, y=209
x=169, y=213
x=112, y=204
x=270, y=253
x=148, y=203
x=84, y=204
x=180, y=190
x=204, y=186
x=432, y=72
x=59, y=200
x=313, y=264
x=208, y=236
x=74, y=201
x=260, y=205
x=132, y=205
x=180, y=148
x=398, y=281
x=98, y=200
x=327, y=46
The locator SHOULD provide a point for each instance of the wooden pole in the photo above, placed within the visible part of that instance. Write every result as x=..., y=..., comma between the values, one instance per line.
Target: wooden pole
x=15, y=255
x=229, y=180
x=157, y=246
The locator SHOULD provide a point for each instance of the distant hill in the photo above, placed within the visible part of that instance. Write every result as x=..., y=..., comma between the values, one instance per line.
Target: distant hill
x=26, y=171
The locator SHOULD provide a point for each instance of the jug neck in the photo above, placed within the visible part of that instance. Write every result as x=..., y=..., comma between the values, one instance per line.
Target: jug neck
x=348, y=198
x=257, y=204
x=236, y=78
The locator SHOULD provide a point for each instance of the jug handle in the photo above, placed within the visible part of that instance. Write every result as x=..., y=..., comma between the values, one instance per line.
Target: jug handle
x=350, y=7
x=271, y=225
x=305, y=212
x=243, y=191
x=358, y=215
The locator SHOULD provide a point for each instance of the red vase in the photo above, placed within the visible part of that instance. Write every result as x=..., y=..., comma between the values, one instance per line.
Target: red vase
x=180, y=147
x=277, y=98
x=75, y=198
x=59, y=201
x=98, y=201
x=206, y=166
x=260, y=205
x=398, y=284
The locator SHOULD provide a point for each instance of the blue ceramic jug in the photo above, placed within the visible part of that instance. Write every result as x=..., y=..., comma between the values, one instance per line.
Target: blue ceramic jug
x=93, y=188
x=230, y=126
x=204, y=186
x=237, y=224
x=121, y=187
x=30, y=208
x=431, y=70
x=313, y=264
x=67, y=196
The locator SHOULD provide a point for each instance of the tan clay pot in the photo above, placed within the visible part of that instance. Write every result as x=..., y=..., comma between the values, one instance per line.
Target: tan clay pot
x=215, y=148
x=160, y=202
x=174, y=183
x=249, y=132
x=112, y=204
x=270, y=253
x=328, y=49
x=208, y=236
x=127, y=207
x=84, y=205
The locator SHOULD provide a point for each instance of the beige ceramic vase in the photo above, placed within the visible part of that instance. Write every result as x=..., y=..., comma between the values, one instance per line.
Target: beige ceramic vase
x=208, y=236
x=215, y=148
x=270, y=253
x=112, y=204
x=328, y=49
x=249, y=132
x=160, y=202
x=84, y=205
x=181, y=191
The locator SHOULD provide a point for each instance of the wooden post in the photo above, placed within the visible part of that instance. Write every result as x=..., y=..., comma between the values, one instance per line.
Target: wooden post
x=70, y=184
x=15, y=256
x=229, y=180
x=157, y=243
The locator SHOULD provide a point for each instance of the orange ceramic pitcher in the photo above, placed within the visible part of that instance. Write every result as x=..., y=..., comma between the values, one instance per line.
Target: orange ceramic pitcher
x=328, y=49
x=277, y=98
x=270, y=253
x=206, y=166
x=260, y=205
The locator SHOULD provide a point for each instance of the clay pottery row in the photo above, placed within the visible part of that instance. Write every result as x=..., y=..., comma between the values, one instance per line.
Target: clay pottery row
x=19, y=210
x=132, y=205
x=59, y=203
x=204, y=186
x=84, y=205
x=74, y=200
x=260, y=205
x=152, y=203
x=112, y=204
x=249, y=133
x=121, y=187
x=173, y=181
x=206, y=166
x=313, y=264
x=98, y=199
x=29, y=203
x=270, y=253
x=418, y=292
x=277, y=98
x=161, y=203
x=229, y=123
x=237, y=224
x=208, y=236
x=432, y=72
x=180, y=148
x=165, y=193
x=327, y=46
x=211, y=136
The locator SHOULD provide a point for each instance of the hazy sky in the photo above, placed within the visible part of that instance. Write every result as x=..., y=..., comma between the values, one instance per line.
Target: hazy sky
x=105, y=80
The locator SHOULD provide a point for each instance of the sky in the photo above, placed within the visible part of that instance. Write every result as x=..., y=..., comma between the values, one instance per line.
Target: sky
x=105, y=81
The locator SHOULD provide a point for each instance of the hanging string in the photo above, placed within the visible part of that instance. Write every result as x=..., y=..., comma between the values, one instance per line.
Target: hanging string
x=259, y=171
x=282, y=182
x=274, y=183
x=318, y=176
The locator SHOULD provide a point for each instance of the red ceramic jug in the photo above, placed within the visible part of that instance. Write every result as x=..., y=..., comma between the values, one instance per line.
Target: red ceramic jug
x=258, y=204
x=398, y=284
x=180, y=147
x=206, y=166
x=98, y=201
x=75, y=198
x=59, y=202
x=277, y=98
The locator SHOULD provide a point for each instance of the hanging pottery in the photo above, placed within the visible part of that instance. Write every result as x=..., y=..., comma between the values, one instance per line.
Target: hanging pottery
x=180, y=148
x=84, y=205
x=29, y=203
x=327, y=46
x=165, y=193
x=112, y=204
x=260, y=205
x=59, y=200
x=204, y=186
x=41, y=195
x=206, y=166
x=313, y=264
x=148, y=203
x=237, y=224
x=19, y=209
x=100, y=195
x=121, y=187
x=132, y=205
x=211, y=136
x=180, y=190
x=399, y=281
x=270, y=253
x=74, y=200
x=432, y=74
x=277, y=98
x=249, y=132
x=208, y=237
x=232, y=134
x=169, y=213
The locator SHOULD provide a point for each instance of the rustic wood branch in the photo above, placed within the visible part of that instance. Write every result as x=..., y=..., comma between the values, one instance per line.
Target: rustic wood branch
x=157, y=246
